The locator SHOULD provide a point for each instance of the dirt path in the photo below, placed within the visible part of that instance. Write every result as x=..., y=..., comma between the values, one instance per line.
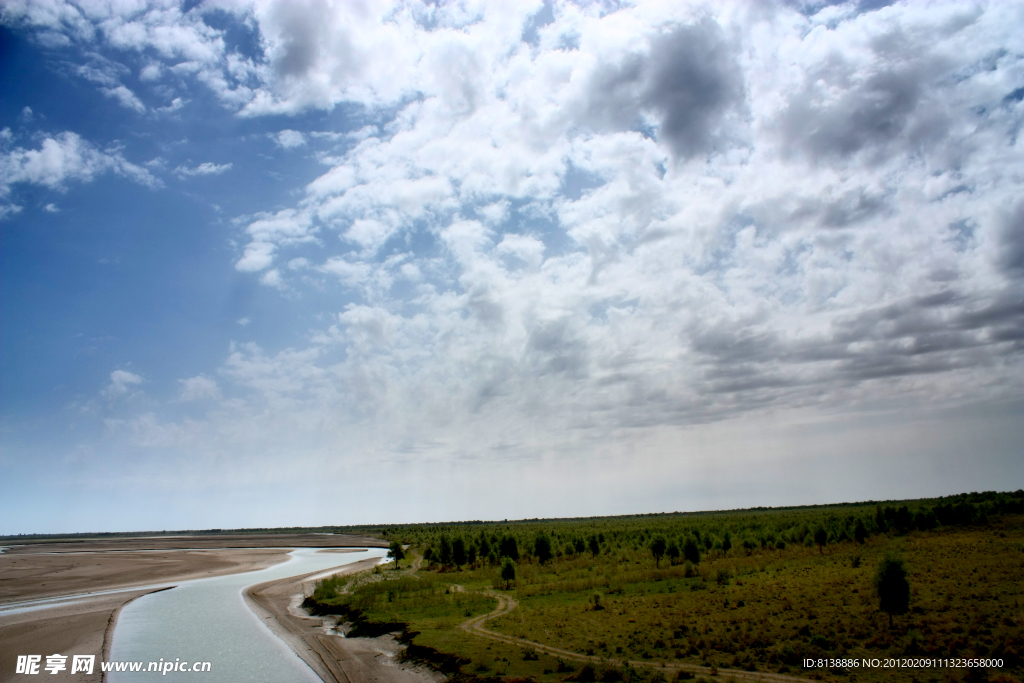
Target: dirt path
x=507, y=603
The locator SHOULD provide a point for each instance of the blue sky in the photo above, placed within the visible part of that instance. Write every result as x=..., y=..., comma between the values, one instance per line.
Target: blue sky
x=275, y=263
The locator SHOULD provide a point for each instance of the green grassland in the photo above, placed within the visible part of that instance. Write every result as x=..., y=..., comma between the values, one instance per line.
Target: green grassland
x=763, y=596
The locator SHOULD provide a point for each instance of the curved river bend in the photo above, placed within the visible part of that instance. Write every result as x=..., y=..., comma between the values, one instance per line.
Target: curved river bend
x=207, y=620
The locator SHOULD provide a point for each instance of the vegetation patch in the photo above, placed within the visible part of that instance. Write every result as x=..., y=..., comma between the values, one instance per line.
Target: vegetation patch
x=757, y=591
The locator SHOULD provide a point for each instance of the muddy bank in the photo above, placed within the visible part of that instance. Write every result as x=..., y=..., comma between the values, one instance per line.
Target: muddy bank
x=327, y=651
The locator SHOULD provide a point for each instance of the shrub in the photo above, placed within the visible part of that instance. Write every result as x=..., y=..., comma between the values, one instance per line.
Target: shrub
x=892, y=587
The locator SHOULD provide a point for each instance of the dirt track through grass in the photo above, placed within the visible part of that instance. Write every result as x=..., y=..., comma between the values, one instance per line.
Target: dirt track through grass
x=507, y=604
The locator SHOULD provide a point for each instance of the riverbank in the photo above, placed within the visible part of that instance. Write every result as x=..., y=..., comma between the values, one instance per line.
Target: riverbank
x=332, y=656
x=88, y=570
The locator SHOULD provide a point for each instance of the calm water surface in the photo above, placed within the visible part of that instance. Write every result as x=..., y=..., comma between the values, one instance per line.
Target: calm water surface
x=207, y=620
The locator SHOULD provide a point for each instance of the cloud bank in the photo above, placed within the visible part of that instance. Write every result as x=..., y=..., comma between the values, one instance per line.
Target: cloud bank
x=563, y=225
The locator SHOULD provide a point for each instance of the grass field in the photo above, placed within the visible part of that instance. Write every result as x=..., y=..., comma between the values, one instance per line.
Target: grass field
x=752, y=607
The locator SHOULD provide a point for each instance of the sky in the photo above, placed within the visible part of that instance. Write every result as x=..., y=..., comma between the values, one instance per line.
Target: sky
x=304, y=262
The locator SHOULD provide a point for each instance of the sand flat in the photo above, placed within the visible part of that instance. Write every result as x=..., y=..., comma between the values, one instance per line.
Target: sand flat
x=81, y=566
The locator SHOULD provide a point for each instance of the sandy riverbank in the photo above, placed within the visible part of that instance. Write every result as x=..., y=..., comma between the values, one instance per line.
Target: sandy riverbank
x=195, y=541
x=332, y=656
x=79, y=566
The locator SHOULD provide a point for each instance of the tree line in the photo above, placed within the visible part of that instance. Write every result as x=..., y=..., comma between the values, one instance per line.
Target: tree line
x=692, y=538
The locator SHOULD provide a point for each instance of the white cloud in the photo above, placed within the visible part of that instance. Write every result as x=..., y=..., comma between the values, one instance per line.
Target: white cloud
x=288, y=139
x=51, y=208
x=126, y=98
x=287, y=227
x=151, y=72
x=528, y=249
x=63, y=158
x=257, y=257
x=272, y=278
x=176, y=104
x=352, y=274
x=121, y=382
x=198, y=388
x=203, y=169
x=631, y=260
x=641, y=224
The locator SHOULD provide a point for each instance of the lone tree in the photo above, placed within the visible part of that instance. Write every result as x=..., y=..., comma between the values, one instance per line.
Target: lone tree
x=892, y=587
x=657, y=549
x=395, y=552
x=542, y=547
x=508, y=571
x=821, y=538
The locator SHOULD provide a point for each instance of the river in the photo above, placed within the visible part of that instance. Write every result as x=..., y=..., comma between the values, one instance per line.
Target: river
x=207, y=620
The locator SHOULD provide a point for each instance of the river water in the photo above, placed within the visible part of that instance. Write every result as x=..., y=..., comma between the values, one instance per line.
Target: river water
x=207, y=620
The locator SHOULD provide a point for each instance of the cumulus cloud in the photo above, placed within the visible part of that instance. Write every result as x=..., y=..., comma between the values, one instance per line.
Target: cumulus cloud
x=258, y=256
x=688, y=79
x=287, y=139
x=269, y=231
x=121, y=382
x=64, y=158
x=641, y=219
x=713, y=260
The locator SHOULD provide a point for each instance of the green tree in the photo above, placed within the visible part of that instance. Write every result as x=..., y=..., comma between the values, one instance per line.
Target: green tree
x=658, y=549
x=880, y=522
x=726, y=542
x=594, y=545
x=459, y=551
x=444, y=551
x=821, y=538
x=673, y=552
x=471, y=553
x=485, y=546
x=691, y=551
x=542, y=547
x=396, y=552
x=508, y=571
x=509, y=548
x=860, y=532
x=892, y=587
